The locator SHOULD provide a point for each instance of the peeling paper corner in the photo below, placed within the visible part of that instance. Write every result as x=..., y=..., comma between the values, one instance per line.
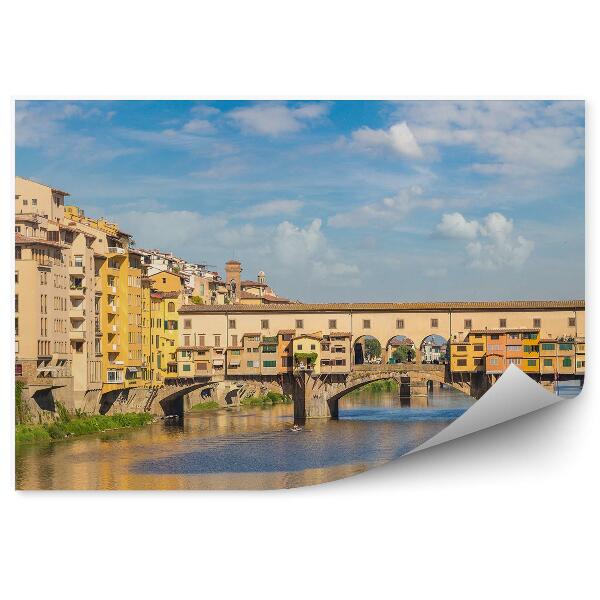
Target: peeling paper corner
x=513, y=395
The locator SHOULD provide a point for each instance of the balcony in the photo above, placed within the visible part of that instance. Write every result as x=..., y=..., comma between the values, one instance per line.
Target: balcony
x=116, y=250
x=77, y=270
x=77, y=334
x=77, y=312
x=77, y=291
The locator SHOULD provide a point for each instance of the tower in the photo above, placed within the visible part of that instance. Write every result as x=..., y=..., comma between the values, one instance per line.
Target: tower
x=233, y=278
x=261, y=277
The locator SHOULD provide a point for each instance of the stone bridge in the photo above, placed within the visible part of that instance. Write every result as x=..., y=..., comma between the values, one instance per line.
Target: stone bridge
x=314, y=395
x=318, y=395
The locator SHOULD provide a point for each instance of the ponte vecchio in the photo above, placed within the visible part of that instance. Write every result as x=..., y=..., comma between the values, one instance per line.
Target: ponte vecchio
x=316, y=352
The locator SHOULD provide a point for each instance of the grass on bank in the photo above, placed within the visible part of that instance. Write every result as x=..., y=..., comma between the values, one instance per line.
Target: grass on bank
x=79, y=425
x=266, y=399
x=385, y=385
x=209, y=405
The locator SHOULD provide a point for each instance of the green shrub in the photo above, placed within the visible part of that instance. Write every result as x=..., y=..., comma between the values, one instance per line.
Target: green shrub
x=209, y=405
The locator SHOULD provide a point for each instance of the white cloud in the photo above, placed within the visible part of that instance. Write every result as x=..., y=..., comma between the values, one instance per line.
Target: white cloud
x=274, y=119
x=44, y=125
x=387, y=211
x=520, y=138
x=454, y=225
x=272, y=208
x=198, y=126
x=492, y=244
x=398, y=138
x=307, y=253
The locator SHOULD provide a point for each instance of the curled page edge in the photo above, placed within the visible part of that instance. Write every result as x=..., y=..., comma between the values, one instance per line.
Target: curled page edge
x=513, y=395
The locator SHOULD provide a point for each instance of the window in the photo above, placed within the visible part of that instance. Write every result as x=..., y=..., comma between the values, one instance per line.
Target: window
x=571, y=321
x=164, y=280
x=78, y=260
x=231, y=323
x=513, y=348
x=514, y=361
x=567, y=362
x=269, y=363
x=478, y=348
x=495, y=336
x=171, y=307
x=534, y=348
x=299, y=346
x=264, y=324
x=537, y=322
x=468, y=324
x=313, y=347
x=547, y=362
x=531, y=362
x=234, y=352
x=269, y=349
x=17, y=252
x=186, y=340
x=548, y=346
x=580, y=364
x=34, y=202
x=332, y=324
x=366, y=324
x=186, y=367
x=340, y=362
x=494, y=360
x=461, y=348
x=18, y=369
x=217, y=341
x=201, y=340
x=565, y=346
x=187, y=323
x=434, y=323
x=461, y=362
x=299, y=324
x=502, y=322
x=399, y=323
x=234, y=340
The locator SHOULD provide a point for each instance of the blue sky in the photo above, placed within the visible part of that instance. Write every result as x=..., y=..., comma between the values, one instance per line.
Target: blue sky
x=344, y=200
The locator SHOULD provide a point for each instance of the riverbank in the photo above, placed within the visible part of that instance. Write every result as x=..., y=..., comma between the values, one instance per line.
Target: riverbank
x=76, y=426
x=267, y=399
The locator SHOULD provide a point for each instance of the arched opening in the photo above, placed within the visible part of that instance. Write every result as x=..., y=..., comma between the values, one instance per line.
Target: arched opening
x=434, y=350
x=400, y=349
x=367, y=350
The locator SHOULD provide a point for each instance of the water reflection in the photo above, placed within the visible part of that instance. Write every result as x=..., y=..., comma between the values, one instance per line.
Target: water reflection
x=241, y=448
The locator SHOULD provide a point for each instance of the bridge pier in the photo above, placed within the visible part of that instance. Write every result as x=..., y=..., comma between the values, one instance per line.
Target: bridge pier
x=312, y=398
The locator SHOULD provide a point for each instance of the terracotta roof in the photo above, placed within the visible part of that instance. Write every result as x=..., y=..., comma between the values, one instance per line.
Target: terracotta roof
x=390, y=306
x=251, y=334
x=312, y=336
x=292, y=331
x=504, y=330
x=23, y=239
x=250, y=283
x=164, y=294
x=340, y=334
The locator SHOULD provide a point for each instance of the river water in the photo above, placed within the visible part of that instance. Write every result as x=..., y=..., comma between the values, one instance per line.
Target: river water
x=241, y=448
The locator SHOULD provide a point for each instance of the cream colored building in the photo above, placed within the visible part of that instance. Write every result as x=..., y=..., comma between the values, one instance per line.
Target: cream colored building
x=384, y=321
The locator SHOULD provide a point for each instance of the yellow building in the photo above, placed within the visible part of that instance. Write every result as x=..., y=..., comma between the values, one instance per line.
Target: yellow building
x=306, y=350
x=461, y=357
x=530, y=362
x=166, y=297
x=118, y=269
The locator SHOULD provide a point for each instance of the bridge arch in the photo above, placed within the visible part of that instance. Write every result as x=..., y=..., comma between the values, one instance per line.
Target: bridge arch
x=433, y=349
x=366, y=349
x=394, y=344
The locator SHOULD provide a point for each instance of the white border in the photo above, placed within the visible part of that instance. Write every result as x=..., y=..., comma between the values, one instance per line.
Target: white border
x=510, y=512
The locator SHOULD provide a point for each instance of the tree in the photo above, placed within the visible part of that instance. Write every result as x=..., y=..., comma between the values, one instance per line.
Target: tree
x=372, y=348
x=403, y=354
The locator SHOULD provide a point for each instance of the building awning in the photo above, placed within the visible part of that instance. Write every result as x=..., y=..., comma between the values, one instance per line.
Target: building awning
x=132, y=369
x=218, y=362
x=234, y=363
x=49, y=369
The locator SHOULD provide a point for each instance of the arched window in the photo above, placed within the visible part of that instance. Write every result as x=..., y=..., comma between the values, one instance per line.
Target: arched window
x=171, y=307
